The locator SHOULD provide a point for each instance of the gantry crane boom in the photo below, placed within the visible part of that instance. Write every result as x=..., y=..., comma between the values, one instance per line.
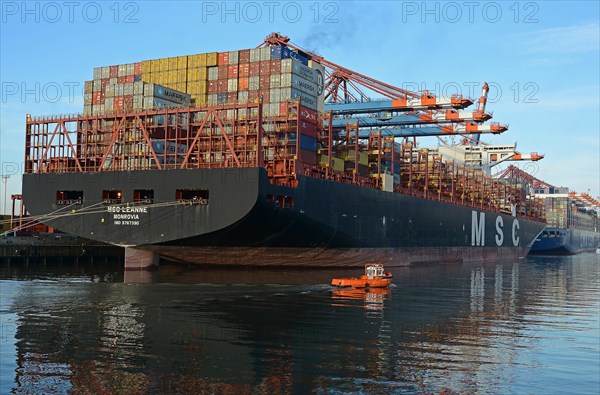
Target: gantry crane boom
x=342, y=76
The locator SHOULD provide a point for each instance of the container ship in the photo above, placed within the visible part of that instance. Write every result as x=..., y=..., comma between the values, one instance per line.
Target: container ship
x=572, y=219
x=269, y=156
x=573, y=225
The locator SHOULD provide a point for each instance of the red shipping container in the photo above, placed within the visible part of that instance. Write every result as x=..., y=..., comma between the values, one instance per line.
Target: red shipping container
x=275, y=66
x=130, y=78
x=232, y=97
x=283, y=108
x=212, y=87
x=104, y=83
x=118, y=103
x=308, y=157
x=306, y=114
x=254, y=69
x=243, y=84
x=222, y=58
x=232, y=71
x=137, y=68
x=223, y=72
x=222, y=86
x=98, y=98
x=265, y=68
x=113, y=71
x=120, y=80
x=308, y=129
x=244, y=56
x=264, y=81
x=253, y=96
x=244, y=70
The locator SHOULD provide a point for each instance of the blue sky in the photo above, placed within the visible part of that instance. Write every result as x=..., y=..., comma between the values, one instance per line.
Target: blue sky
x=542, y=59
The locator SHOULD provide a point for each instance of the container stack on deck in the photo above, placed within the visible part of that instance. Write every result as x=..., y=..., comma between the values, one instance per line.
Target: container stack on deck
x=277, y=75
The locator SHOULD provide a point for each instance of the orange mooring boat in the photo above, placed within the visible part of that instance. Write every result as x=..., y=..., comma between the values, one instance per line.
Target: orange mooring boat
x=374, y=277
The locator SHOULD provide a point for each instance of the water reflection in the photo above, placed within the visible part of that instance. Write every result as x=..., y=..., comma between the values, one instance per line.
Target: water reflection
x=529, y=326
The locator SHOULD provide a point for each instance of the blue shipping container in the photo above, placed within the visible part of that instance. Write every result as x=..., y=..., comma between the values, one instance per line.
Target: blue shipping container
x=308, y=143
x=286, y=53
x=221, y=97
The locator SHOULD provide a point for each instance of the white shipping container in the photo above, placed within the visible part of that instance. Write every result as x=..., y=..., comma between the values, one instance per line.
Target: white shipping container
x=234, y=57
x=275, y=80
x=109, y=91
x=255, y=55
x=265, y=54
x=274, y=109
x=138, y=88
x=232, y=85
x=87, y=109
x=119, y=90
x=97, y=85
x=88, y=86
x=109, y=105
x=122, y=70
x=138, y=101
x=253, y=83
x=148, y=103
x=130, y=69
x=212, y=99
x=106, y=72
x=243, y=97
x=128, y=89
x=87, y=98
x=275, y=95
x=113, y=80
x=213, y=73
x=286, y=65
x=97, y=73
x=148, y=89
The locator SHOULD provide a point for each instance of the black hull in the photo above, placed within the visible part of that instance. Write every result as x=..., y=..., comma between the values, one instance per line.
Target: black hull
x=328, y=223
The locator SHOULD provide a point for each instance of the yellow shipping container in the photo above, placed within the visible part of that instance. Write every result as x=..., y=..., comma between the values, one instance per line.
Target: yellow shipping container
x=196, y=87
x=203, y=73
x=172, y=62
x=146, y=67
x=202, y=60
x=181, y=75
x=155, y=65
x=193, y=61
x=211, y=59
x=182, y=62
x=336, y=163
x=363, y=158
x=164, y=64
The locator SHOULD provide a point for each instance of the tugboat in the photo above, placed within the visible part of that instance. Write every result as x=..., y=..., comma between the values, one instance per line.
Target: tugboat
x=374, y=277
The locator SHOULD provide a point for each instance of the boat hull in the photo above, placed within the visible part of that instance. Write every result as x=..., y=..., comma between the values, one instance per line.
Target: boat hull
x=561, y=241
x=249, y=221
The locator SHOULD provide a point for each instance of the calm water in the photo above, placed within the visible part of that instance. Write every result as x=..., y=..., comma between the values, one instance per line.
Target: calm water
x=526, y=327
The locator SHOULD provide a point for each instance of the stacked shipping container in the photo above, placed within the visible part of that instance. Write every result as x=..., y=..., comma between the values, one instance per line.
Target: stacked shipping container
x=122, y=88
x=275, y=74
